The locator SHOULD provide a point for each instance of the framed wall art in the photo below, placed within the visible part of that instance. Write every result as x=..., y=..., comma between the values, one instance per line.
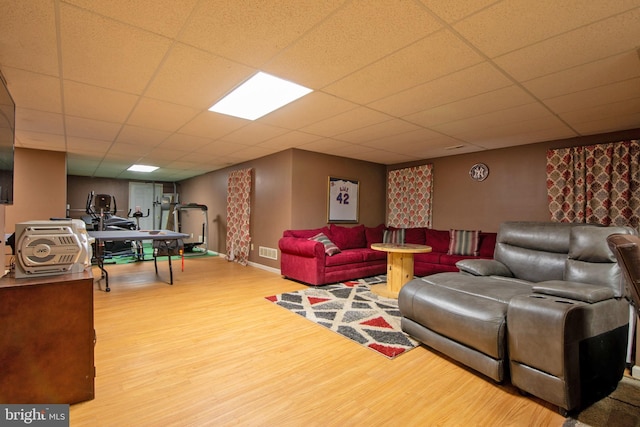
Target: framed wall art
x=342, y=203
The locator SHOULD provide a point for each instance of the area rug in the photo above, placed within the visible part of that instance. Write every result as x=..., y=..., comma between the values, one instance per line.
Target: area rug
x=353, y=311
x=621, y=408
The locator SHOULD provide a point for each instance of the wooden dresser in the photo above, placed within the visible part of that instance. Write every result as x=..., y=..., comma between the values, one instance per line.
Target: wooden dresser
x=47, y=339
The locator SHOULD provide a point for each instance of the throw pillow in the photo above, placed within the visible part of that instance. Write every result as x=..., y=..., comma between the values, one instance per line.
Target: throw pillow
x=393, y=235
x=464, y=242
x=329, y=247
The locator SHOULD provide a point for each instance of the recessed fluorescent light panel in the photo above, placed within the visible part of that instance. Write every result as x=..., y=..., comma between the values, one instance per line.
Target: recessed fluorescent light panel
x=258, y=96
x=142, y=168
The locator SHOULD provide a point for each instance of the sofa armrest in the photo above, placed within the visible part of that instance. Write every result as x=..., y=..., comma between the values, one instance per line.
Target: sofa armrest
x=484, y=267
x=574, y=290
x=301, y=247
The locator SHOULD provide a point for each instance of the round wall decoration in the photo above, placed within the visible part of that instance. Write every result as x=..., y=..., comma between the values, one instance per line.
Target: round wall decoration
x=479, y=172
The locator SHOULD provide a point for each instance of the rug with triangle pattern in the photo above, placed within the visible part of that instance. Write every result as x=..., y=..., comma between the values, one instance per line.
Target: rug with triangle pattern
x=353, y=311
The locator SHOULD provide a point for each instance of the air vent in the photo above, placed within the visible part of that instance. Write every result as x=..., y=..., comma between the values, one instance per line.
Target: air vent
x=268, y=252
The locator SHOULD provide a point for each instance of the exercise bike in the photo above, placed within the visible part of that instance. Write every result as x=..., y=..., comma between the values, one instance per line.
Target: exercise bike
x=138, y=249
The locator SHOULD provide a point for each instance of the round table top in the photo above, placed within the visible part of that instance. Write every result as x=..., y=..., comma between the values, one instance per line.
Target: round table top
x=401, y=247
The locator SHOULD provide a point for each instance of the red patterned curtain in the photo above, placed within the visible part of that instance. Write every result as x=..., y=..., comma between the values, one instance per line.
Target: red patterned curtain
x=595, y=184
x=409, y=197
x=238, y=215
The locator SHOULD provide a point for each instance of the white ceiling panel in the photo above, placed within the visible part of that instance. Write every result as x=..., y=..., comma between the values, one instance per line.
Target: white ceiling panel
x=115, y=83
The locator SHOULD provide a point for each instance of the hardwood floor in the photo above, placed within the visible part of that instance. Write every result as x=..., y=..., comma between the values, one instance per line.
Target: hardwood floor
x=211, y=350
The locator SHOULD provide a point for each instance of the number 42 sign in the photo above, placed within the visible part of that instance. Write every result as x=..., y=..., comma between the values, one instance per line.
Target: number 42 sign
x=343, y=200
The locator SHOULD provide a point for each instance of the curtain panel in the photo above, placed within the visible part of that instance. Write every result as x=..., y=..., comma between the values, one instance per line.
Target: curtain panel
x=595, y=184
x=238, y=216
x=409, y=197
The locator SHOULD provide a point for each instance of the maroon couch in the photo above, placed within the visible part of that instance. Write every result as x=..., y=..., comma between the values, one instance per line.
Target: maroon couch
x=307, y=260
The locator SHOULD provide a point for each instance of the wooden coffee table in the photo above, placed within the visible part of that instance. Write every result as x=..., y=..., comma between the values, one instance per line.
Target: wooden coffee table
x=399, y=266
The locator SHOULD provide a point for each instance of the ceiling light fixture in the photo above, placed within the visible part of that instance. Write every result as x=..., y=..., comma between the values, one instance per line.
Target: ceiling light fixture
x=258, y=96
x=142, y=168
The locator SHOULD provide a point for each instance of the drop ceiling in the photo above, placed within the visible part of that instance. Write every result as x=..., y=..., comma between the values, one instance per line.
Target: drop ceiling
x=113, y=83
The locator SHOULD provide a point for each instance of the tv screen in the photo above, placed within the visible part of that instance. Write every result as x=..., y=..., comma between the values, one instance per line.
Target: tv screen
x=7, y=135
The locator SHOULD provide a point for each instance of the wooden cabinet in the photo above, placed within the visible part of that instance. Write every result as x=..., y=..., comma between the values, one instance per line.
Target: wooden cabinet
x=47, y=339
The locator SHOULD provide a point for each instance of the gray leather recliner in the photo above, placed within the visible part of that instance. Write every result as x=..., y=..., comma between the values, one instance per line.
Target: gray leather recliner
x=547, y=312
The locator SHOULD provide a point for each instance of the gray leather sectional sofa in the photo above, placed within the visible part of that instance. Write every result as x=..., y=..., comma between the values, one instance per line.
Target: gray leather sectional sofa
x=547, y=312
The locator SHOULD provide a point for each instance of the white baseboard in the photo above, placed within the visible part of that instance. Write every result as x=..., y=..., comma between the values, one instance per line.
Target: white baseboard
x=256, y=265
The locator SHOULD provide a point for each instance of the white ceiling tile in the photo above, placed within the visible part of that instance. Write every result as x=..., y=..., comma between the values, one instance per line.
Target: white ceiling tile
x=88, y=147
x=353, y=119
x=309, y=109
x=609, y=124
x=39, y=121
x=220, y=148
x=41, y=141
x=288, y=140
x=589, y=117
x=208, y=124
x=97, y=103
x=190, y=76
x=507, y=25
x=500, y=118
x=102, y=52
x=372, y=32
x=142, y=136
x=462, y=84
x=184, y=142
x=254, y=134
x=454, y=10
x=34, y=91
x=601, y=95
x=133, y=150
x=586, y=44
x=434, y=56
x=28, y=37
x=92, y=129
x=161, y=115
x=376, y=131
x=500, y=99
x=594, y=74
x=165, y=17
x=252, y=32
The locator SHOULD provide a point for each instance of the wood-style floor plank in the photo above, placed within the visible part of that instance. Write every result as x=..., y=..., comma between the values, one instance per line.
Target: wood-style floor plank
x=211, y=350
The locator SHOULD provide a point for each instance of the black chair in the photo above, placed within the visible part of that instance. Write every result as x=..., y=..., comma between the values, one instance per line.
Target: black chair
x=168, y=248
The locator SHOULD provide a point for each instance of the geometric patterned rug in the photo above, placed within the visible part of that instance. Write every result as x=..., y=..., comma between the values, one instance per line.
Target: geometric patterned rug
x=353, y=311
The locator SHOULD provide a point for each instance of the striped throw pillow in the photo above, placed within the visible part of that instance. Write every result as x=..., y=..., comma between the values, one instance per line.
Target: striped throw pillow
x=329, y=247
x=464, y=242
x=395, y=235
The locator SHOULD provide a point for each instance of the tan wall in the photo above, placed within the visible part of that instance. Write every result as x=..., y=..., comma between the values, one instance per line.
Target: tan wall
x=270, y=202
x=39, y=187
x=311, y=172
x=514, y=190
x=289, y=191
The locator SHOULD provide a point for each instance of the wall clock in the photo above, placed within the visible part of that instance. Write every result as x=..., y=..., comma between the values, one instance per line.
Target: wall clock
x=479, y=172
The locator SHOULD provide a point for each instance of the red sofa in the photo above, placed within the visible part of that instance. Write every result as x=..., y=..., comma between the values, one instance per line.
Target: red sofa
x=307, y=261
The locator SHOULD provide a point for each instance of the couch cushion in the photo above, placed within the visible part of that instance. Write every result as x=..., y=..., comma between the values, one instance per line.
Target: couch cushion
x=373, y=255
x=348, y=256
x=591, y=261
x=329, y=247
x=348, y=237
x=415, y=235
x=487, y=244
x=438, y=240
x=374, y=234
x=463, y=242
x=305, y=234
